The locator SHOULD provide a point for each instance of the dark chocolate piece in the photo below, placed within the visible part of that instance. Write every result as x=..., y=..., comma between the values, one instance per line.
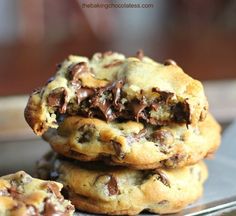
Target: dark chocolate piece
x=113, y=64
x=112, y=186
x=83, y=93
x=117, y=147
x=181, y=112
x=76, y=70
x=164, y=137
x=169, y=62
x=57, y=98
x=54, y=189
x=162, y=177
x=138, y=107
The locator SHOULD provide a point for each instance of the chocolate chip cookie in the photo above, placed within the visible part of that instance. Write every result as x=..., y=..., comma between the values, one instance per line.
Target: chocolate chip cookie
x=97, y=188
x=22, y=195
x=133, y=144
x=112, y=87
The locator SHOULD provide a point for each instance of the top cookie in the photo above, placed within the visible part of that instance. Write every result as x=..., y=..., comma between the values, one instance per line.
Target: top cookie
x=111, y=86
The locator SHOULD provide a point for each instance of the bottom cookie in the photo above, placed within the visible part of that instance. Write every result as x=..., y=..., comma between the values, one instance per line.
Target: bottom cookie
x=22, y=195
x=97, y=188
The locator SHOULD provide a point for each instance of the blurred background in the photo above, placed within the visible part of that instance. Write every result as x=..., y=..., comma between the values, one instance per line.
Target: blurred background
x=36, y=35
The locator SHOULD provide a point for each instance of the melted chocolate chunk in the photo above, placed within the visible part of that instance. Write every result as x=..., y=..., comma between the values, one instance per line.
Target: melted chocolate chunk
x=169, y=62
x=174, y=160
x=142, y=133
x=118, y=150
x=116, y=90
x=163, y=202
x=104, y=106
x=53, y=188
x=112, y=186
x=57, y=99
x=76, y=70
x=113, y=64
x=84, y=93
x=138, y=107
x=181, y=112
x=164, y=137
x=14, y=193
x=162, y=177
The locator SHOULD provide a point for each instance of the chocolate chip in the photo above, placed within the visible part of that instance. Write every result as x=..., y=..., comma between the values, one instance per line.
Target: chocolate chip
x=116, y=90
x=140, y=54
x=163, y=136
x=112, y=186
x=53, y=188
x=118, y=150
x=87, y=133
x=181, y=112
x=138, y=107
x=13, y=191
x=174, y=160
x=163, y=202
x=113, y=64
x=75, y=71
x=140, y=134
x=57, y=98
x=170, y=62
x=162, y=177
x=101, y=102
x=84, y=93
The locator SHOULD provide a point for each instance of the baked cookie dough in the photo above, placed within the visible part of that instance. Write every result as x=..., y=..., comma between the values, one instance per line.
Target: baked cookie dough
x=22, y=195
x=111, y=87
x=132, y=144
x=97, y=188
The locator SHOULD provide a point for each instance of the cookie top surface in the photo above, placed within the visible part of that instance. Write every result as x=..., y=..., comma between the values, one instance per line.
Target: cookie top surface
x=132, y=144
x=22, y=195
x=95, y=187
x=111, y=86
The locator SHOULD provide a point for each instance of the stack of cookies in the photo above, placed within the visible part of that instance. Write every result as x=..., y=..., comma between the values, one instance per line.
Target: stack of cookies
x=128, y=133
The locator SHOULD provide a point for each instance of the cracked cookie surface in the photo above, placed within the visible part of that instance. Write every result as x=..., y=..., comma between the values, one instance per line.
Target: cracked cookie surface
x=112, y=87
x=133, y=144
x=22, y=195
x=97, y=188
